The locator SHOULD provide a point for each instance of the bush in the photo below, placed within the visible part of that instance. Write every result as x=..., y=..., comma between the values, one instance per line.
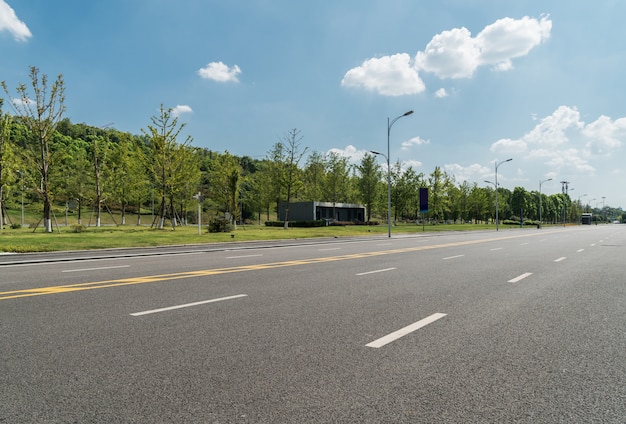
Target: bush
x=219, y=225
x=77, y=228
x=16, y=226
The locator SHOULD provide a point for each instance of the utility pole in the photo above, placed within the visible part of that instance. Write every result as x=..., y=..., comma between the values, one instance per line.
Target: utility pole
x=564, y=189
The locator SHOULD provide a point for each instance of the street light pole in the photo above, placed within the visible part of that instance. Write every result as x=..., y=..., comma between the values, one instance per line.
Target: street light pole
x=540, y=183
x=497, y=165
x=389, y=125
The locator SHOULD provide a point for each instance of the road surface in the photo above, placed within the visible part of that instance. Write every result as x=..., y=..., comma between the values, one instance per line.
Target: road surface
x=522, y=326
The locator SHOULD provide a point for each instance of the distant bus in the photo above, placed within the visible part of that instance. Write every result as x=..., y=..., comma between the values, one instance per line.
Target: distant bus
x=586, y=219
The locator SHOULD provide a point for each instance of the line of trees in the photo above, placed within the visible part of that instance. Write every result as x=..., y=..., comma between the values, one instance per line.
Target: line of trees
x=57, y=163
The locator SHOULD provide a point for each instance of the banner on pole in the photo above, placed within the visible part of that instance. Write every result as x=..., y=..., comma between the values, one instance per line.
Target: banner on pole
x=423, y=200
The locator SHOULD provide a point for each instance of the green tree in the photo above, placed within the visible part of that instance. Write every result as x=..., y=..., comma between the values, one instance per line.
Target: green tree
x=225, y=178
x=313, y=177
x=6, y=159
x=368, y=182
x=286, y=155
x=336, y=180
x=440, y=184
x=520, y=202
x=41, y=115
x=165, y=160
x=479, y=202
x=131, y=182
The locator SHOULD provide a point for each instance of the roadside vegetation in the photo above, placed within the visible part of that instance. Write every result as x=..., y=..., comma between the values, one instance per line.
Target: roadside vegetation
x=91, y=184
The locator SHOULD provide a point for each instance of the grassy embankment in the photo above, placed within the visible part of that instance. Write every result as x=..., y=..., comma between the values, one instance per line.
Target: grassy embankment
x=67, y=237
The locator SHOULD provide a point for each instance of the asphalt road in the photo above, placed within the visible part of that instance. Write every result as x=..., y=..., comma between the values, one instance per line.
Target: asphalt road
x=524, y=326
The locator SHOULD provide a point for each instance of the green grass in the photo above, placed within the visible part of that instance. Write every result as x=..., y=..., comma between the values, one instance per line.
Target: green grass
x=65, y=238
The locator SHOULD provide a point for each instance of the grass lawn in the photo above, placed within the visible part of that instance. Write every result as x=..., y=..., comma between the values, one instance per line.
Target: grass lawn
x=65, y=238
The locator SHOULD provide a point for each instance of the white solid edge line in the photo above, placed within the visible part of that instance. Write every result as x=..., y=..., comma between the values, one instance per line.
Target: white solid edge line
x=404, y=331
x=374, y=272
x=170, y=308
x=96, y=269
x=521, y=277
x=562, y=258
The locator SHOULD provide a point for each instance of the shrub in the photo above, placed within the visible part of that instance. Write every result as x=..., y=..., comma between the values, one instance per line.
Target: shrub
x=219, y=225
x=77, y=228
x=16, y=226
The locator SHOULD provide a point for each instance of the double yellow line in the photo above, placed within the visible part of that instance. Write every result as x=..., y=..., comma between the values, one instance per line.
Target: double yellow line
x=41, y=291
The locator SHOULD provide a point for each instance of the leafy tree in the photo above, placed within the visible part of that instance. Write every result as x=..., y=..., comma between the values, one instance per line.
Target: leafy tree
x=131, y=182
x=77, y=168
x=313, y=177
x=336, y=179
x=165, y=160
x=225, y=179
x=368, y=182
x=520, y=203
x=479, y=201
x=6, y=159
x=286, y=155
x=262, y=185
x=440, y=184
x=41, y=115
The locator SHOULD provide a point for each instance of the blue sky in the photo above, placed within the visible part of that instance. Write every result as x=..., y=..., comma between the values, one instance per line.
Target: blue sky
x=537, y=81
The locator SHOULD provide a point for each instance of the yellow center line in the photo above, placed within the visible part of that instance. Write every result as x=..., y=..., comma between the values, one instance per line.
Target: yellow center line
x=40, y=291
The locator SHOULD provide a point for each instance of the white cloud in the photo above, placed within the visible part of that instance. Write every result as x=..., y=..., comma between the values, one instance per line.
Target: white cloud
x=353, y=155
x=388, y=75
x=605, y=135
x=509, y=38
x=180, y=109
x=218, y=71
x=451, y=54
x=11, y=23
x=468, y=173
x=441, y=93
x=415, y=164
x=508, y=146
x=565, y=144
x=415, y=141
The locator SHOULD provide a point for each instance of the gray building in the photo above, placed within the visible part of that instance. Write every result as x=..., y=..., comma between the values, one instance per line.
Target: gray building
x=310, y=211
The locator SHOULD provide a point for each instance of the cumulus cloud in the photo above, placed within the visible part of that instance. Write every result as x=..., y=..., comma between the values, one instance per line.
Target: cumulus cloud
x=388, y=75
x=441, y=93
x=180, y=109
x=353, y=155
x=473, y=172
x=11, y=23
x=415, y=141
x=605, y=135
x=564, y=142
x=451, y=54
x=218, y=71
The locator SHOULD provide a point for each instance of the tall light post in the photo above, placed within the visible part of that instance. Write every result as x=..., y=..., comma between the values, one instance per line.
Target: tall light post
x=497, y=164
x=540, y=183
x=389, y=125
